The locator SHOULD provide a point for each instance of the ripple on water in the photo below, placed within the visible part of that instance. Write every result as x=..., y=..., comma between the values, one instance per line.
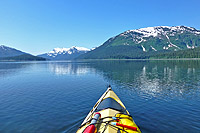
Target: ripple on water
x=57, y=96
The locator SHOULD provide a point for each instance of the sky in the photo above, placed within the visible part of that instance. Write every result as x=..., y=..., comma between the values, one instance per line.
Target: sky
x=38, y=26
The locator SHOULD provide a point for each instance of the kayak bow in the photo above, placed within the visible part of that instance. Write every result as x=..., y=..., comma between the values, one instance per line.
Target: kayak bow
x=109, y=115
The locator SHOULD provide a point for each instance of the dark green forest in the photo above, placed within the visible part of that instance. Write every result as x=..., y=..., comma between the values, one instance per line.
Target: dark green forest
x=134, y=52
x=190, y=53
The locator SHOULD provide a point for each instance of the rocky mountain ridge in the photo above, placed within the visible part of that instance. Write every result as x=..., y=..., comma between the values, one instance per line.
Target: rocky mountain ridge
x=65, y=53
x=150, y=40
x=9, y=52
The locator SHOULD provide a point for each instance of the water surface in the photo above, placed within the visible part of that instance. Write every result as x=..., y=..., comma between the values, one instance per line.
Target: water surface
x=162, y=96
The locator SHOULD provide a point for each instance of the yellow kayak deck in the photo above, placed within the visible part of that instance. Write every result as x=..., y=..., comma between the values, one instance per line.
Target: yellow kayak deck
x=109, y=106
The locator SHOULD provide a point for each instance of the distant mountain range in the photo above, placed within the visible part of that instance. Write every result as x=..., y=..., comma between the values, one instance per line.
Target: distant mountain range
x=65, y=53
x=11, y=54
x=146, y=42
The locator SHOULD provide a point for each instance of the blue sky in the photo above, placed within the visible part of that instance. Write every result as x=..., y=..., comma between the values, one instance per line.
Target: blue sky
x=38, y=26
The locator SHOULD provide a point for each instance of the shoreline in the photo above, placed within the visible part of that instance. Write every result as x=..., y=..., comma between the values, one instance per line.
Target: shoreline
x=99, y=60
x=145, y=59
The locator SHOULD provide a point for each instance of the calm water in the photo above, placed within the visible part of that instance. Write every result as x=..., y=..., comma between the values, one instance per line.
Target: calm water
x=162, y=96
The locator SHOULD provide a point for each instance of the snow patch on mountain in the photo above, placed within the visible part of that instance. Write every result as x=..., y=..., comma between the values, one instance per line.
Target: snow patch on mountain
x=171, y=44
x=190, y=47
x=153, y=48
x=143, y=48
x=4, y=47
x=93, y=48
x=147, y=32
x=142, y=40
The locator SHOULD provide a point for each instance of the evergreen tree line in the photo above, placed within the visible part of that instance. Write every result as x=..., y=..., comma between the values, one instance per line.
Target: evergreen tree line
x=135, y=52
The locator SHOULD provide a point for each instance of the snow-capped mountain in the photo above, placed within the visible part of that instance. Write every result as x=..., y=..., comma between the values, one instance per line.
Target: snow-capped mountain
x=171, y=37
x=65, y=53
x=9, y=52
x=134, y=43
x=156, y=31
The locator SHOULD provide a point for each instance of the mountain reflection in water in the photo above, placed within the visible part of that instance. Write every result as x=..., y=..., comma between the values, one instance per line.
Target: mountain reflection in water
x=156, y=78
x=60, y=68
x=162, y=96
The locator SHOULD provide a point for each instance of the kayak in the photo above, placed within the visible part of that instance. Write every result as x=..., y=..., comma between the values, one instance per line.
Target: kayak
x=109, y=115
